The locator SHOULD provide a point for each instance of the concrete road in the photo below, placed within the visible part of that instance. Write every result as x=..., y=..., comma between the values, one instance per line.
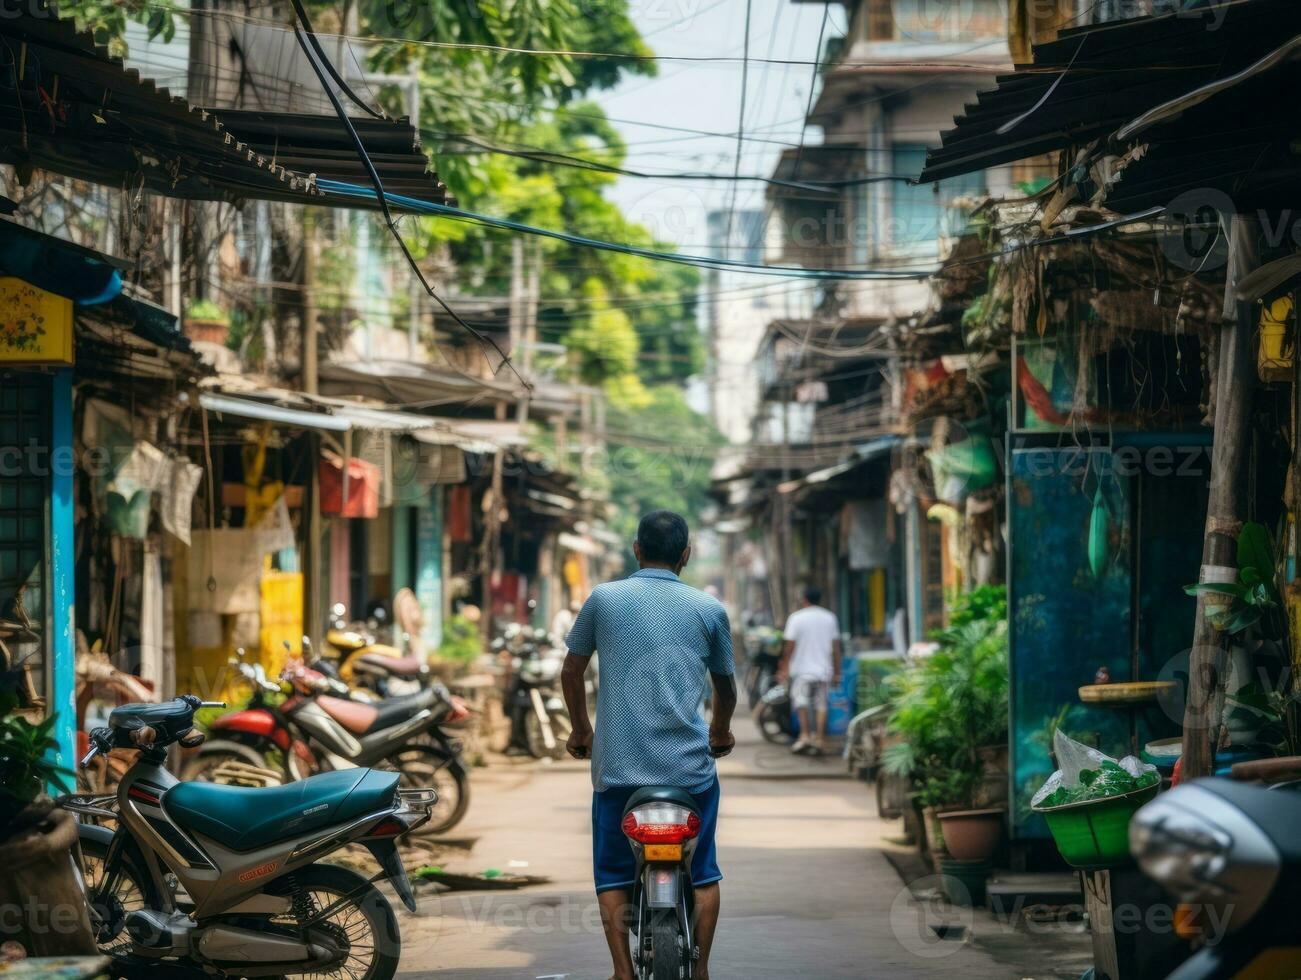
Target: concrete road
x=806, y=893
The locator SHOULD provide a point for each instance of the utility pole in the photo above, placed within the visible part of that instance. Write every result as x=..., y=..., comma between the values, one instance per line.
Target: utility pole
x=310, y=363
x=1235, y=379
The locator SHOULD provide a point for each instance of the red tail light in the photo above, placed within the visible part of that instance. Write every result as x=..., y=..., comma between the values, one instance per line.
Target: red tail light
x=388, y=827
x=661, y=823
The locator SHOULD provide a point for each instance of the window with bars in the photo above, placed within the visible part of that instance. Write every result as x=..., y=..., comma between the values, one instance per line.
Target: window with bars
x=24, y=496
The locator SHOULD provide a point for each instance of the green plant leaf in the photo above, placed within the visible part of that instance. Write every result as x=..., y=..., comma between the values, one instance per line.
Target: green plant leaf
x=1216, y=588
x=1239, y=620
x=1256, y=551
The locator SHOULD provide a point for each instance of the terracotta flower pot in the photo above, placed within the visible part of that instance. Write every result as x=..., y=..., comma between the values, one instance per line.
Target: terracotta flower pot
x=41, y=886
x=206, y=331
x=972, y=835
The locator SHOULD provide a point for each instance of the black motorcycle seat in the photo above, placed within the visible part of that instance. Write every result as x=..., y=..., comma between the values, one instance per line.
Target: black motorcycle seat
x=169, y=720
x=395, y=711
x=661, y=794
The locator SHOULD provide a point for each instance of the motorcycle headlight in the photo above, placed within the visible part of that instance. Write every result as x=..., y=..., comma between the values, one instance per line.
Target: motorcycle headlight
x=1183, y=852
x=1200, y=842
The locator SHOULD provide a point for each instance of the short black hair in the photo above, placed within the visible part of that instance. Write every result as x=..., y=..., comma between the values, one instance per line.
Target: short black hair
x=813, y=595
x=662, y=536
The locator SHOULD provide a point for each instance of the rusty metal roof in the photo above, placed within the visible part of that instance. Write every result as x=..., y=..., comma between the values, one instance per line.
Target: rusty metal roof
x=75, y=109
x=1090, y=81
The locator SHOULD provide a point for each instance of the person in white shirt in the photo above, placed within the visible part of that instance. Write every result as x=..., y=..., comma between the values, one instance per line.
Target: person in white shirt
x=811, y=665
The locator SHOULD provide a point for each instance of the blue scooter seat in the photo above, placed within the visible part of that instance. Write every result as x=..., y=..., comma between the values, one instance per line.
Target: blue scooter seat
x=245, y=818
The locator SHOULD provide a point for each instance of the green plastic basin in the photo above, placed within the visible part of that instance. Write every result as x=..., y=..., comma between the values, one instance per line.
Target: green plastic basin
x=1094, y=834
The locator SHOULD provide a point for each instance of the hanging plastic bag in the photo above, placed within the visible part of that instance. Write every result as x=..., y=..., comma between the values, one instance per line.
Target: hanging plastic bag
x=1087, y=774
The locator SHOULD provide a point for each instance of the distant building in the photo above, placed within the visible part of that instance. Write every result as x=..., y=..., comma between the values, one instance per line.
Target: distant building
x=736, y=311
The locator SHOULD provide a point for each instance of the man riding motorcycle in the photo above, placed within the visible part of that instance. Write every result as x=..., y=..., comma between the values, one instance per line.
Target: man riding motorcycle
x=655, y=807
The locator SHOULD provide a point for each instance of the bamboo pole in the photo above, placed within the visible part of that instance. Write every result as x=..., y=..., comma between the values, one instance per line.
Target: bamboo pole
x=1235, y=380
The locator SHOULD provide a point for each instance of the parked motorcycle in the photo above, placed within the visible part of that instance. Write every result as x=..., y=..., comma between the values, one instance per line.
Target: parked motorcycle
x=222, y=880
x=775, y=717
x=763, y=657
x=539, y=719
x=356, y=657
x=301, y=725
x=1230, y=854
x=662, y=825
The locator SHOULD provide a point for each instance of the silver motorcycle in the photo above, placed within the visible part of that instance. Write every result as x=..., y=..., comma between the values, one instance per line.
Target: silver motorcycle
x=222, y=879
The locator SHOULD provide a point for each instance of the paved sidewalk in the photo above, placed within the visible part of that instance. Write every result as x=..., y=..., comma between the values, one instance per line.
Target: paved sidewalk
x=807, y=891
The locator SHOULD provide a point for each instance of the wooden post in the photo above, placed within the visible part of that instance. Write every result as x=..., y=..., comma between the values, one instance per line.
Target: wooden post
x=309, y=326
x=1235, y=379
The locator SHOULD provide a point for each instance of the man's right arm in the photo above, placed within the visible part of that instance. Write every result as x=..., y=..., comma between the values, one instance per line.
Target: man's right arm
x=581, y=642
x=572, y=684
x=788, y=650
x=721, y=664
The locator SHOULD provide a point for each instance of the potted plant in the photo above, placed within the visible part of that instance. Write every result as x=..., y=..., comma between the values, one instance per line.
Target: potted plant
x=37, y=841
x=950, y=707
x=206, y=322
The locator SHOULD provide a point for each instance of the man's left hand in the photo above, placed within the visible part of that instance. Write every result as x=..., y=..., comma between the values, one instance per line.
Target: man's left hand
x=721, y=743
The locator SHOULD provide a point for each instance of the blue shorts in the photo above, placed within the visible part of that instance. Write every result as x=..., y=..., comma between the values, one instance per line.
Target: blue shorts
x=612, y=858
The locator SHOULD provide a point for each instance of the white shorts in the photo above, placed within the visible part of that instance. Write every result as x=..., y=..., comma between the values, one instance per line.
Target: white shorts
x=809, y=693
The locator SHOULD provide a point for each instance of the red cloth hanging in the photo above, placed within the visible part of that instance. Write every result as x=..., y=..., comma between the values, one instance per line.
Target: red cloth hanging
x=458, y=514
x=363, y=487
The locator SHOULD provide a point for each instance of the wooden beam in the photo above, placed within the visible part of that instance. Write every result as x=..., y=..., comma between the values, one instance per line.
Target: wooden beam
x=1235, y=381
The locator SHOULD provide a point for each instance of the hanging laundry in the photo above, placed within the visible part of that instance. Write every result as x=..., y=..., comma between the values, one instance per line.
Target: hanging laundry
x=362, y=499
x=275, y=531
x=130, y=490
x=177, y=496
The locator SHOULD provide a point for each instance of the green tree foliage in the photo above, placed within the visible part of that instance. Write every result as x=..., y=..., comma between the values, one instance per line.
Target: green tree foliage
x=660, y=457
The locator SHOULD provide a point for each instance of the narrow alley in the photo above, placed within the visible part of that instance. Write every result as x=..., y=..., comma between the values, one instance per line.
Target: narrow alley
x=806, y=892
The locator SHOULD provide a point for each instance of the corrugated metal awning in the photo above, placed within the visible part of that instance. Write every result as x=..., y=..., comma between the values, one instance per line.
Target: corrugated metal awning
x=864, y=453
x=247, y=408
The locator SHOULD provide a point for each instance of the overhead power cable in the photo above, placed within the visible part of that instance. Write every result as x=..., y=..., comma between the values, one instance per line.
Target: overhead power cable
x=581, y=163
x=328, y=65
x=418, y=206
x=740, y=125
x=319, y=64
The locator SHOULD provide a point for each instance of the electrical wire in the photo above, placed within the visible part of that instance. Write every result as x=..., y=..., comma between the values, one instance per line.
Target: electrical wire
x=569, y=160
x=740, y=122
x=813, y=84
x=382, y=197
x=301, y=12
x=416, y=205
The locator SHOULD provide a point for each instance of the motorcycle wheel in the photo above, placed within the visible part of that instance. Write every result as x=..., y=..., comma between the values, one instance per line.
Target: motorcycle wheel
x=232, y=767
x=108, y=915
x=495, y=727
x=668, y=955
x=422, y=766
x=537, y=744
x=364, y=920
x=753, y=685
x=774, y=724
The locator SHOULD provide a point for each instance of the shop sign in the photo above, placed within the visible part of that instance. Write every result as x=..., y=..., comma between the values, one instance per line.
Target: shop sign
x=35, y=326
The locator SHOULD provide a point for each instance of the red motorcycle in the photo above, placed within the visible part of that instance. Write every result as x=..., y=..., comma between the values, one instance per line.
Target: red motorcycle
x=307, y=723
